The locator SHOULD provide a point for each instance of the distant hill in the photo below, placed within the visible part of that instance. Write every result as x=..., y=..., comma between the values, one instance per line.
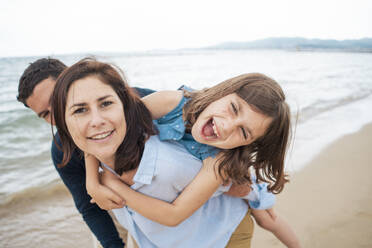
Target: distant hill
x=299, y=44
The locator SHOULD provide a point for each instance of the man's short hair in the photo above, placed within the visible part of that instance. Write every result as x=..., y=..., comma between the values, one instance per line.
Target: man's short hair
x=35, y=73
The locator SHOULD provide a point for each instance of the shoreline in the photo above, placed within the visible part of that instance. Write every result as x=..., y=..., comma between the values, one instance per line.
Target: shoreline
x=328, y=202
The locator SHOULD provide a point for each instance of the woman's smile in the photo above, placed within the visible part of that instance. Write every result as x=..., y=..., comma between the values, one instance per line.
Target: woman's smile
x=102, y=137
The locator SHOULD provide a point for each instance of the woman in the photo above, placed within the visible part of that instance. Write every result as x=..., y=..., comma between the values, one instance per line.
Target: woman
x=95, y=110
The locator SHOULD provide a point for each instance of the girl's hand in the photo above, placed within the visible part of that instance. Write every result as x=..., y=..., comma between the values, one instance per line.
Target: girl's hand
x=106, y=198
x=239, y=190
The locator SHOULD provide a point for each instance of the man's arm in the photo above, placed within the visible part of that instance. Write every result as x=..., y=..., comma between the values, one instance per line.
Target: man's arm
x=73, y=176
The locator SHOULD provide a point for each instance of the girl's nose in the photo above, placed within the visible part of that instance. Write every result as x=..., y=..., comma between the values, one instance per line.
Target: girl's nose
x=228, y=125
x=232, y=123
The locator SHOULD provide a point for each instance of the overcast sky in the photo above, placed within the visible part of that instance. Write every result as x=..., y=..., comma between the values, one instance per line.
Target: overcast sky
x=42, y=27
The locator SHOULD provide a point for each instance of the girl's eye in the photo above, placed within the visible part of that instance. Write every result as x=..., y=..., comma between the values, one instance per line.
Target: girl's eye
x=79, y=111
x=234, y=108
x=244, y=133
x=106, y=103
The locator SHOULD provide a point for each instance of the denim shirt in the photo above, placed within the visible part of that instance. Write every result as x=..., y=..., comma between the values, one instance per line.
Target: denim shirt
x=165, y=170
x=172, y=127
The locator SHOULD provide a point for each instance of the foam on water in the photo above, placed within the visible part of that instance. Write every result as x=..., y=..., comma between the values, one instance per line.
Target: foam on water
x=320, y=131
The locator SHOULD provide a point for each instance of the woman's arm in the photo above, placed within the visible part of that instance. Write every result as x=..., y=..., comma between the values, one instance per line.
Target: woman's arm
x=162, y=102
x=171, y=214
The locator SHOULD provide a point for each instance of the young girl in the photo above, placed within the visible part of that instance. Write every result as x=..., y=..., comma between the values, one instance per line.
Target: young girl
x=240, y=129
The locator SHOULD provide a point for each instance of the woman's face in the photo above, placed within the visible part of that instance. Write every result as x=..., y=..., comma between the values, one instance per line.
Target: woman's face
x=229, y=122
x=95, y=117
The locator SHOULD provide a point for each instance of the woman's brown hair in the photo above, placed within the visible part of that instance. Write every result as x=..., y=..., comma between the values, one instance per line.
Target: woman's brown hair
x=138, y=118
x=266, y=154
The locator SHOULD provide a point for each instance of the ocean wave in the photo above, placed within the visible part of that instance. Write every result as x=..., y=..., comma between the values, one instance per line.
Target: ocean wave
x=36, y=192
x=321, y=106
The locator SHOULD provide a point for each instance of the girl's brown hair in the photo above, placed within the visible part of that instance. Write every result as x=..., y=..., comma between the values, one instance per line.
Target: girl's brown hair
x=266, y=154
x=138, y=118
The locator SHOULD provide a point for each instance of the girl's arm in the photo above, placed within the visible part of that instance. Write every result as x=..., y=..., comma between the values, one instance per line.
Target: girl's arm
x=192, y=198
x=104, y=197
x=91, y=169
x=162, y=102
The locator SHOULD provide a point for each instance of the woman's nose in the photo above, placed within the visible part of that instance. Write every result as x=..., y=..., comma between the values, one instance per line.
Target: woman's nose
x=96, y=119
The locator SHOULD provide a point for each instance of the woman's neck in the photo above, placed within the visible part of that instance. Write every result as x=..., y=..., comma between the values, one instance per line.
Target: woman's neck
x=126, y=177
x=110, y=161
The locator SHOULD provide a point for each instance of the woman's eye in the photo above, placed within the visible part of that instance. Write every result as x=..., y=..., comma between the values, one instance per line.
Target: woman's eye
x=79, y=110
x=106, y=103
x=234, y=108
x=45, y=115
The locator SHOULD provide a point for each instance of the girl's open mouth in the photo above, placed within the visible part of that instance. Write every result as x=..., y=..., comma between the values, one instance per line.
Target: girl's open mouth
x=209, y=130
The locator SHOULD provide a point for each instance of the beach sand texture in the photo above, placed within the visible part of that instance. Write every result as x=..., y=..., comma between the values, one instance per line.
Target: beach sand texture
x=328, y=203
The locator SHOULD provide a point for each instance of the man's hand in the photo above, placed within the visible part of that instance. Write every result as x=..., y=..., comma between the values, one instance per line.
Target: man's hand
x=239, y=190
x=105, y=198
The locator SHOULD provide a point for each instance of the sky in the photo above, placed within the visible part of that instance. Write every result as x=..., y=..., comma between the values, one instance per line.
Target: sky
x=49, y=27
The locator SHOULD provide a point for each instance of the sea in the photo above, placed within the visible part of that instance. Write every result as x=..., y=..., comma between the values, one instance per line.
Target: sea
x=329, y=92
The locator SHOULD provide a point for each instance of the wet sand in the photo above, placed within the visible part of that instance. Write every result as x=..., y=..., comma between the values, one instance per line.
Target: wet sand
x=47, y=220
x=328, y=203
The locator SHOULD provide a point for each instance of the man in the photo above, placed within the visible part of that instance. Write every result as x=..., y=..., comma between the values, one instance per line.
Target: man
x=34, y=91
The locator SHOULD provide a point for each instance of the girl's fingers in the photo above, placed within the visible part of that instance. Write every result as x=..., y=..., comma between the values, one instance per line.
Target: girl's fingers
x=115, y=198
x=115, y=206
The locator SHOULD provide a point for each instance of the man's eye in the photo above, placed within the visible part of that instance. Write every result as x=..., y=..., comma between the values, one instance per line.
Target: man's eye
x=106, y=103
x=79, y=110
x=234, y=108
x=244, y=133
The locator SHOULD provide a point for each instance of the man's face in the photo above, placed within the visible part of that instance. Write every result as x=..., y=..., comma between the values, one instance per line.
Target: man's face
x=39, y=101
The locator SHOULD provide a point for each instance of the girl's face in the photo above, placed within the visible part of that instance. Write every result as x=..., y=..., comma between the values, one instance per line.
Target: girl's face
x=229, y=122
x=95, y=117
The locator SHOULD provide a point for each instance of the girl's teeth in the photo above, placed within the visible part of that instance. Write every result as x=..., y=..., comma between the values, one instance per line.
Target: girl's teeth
x=215, y=129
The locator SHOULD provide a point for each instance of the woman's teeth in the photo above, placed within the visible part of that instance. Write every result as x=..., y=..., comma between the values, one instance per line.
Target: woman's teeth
x=101, y=136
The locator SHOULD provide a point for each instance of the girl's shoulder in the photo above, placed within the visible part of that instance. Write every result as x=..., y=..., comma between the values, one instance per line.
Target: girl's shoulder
x=162, y=102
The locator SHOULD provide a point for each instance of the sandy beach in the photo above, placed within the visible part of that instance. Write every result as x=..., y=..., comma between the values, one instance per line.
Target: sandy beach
x=328, y=203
